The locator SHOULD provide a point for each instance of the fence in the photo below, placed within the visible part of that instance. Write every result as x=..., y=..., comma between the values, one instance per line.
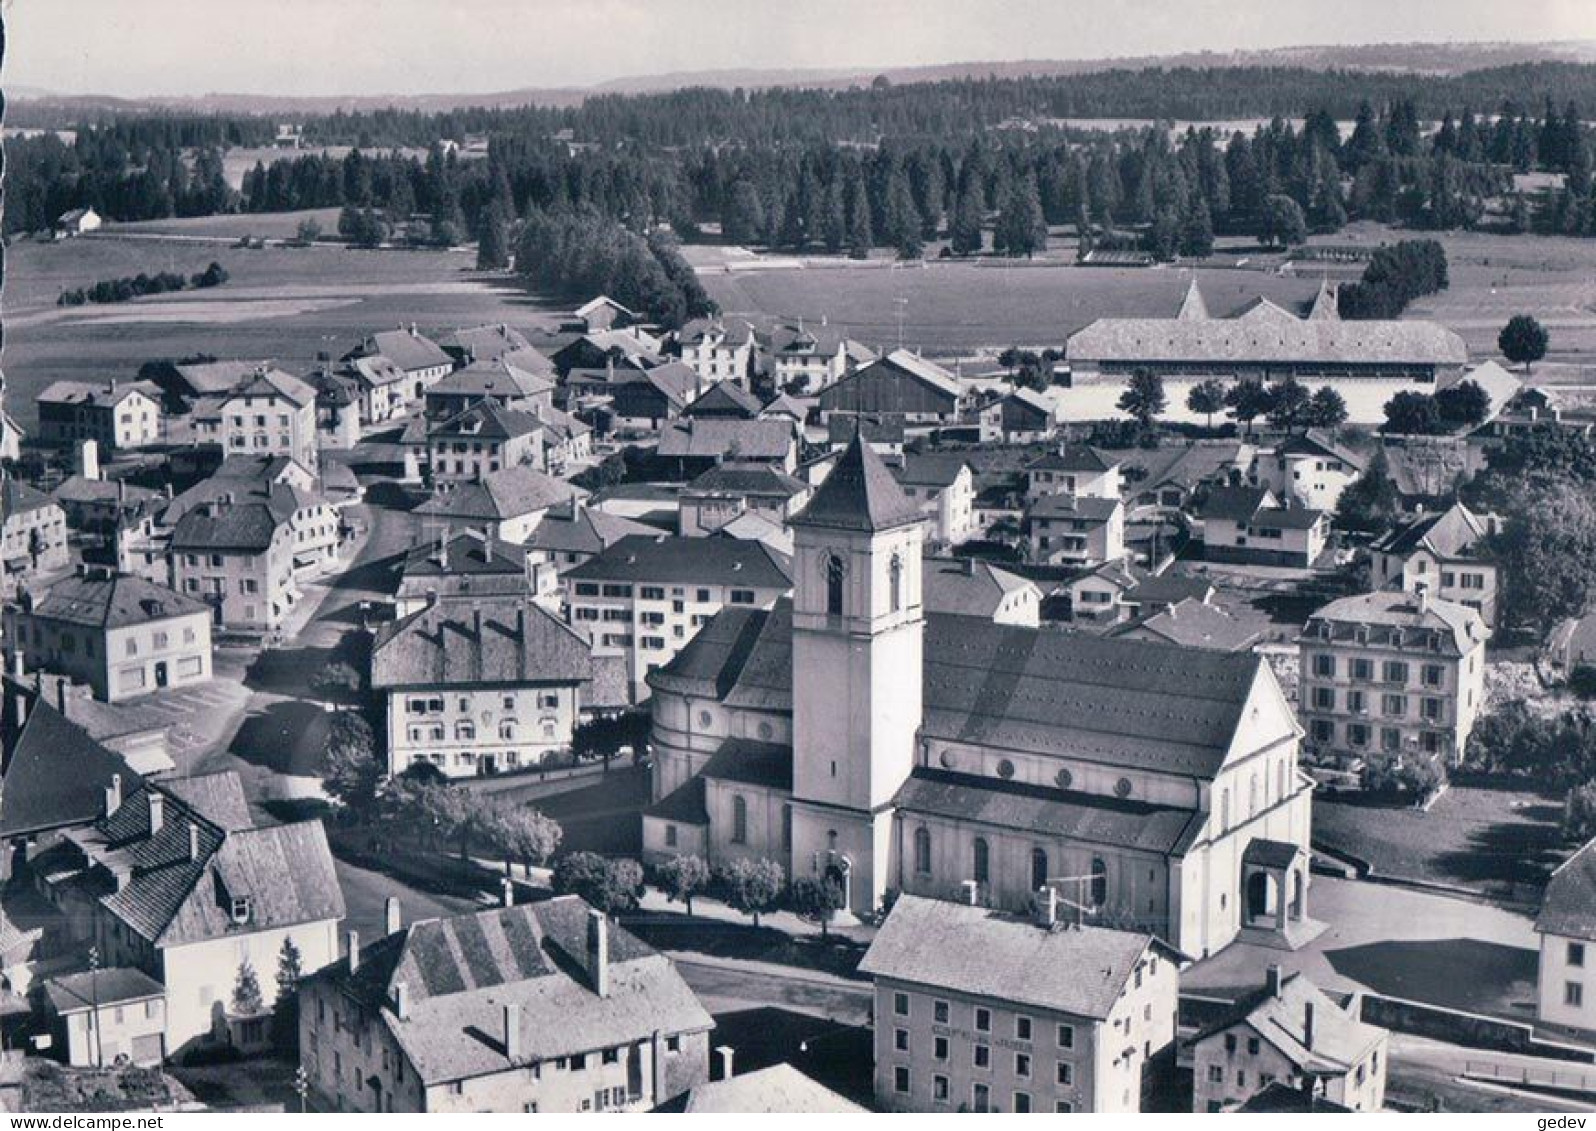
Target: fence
x=1532, y=1076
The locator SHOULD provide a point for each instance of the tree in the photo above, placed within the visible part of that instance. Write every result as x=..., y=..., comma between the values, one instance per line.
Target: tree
x=246, y=1001
x=1282, y=223
x=1288, y=402
x=1579, y=813
x=285, y=1009
x=752, y=886
x=1021, y=229
x=1206, y=398
x=1327, y=408
x=1412, y=414
x=1370, y=503
x=1416, y=777
x=860, y=237
x=683, y=877
x=1197, y=230
x=309, y=230
x=1465, y=404
x=1247, y=400
x=520, y=833
x=1143, y=399
x=335, y=679
x=818, y=899
x=964, y=233
x=493, y=245
x=612, y=886
x=1522, y=340
x=1547, y=551
x=352, y=770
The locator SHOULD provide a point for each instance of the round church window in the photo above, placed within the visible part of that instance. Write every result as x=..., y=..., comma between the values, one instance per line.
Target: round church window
x=949, y=759
x=1005, y=769
x=1122, y=788
x=705, y=719
x=1064, y=778
x=766, y=731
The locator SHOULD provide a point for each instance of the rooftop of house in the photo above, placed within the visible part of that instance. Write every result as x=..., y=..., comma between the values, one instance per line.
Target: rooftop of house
x=1306, y=1025
x=457, y=975
x=509, y=493
x=1074, y=457
x=735, y=477
x=99, y=989
x=929, y=469
x=77, y=489
x=575, y=528
x=375, y=370
x=88, y=393
x=486, y=420
x=274, y=383
x=455, y=644
x=248, y=525
x=115, y=600
x=215, y=378
x=34, y=794
x=1415, y=618
x=1317, y=442
x=968, y=586
x=1449, y=534
x=503, y=378
x=1568, y=907
x=1079, y=971
x=781, y=1088
x=670, y=559
x=859, y=494
x=406, y=347
x=1191, y=624
x=484, y=343
x=753, y=526
x=722, y=438
x=17, y=497
x=1088, y=508
x=470, y=552
x=1184, y=466
x=906, y=363
x=1257, y=506
x=726, y=399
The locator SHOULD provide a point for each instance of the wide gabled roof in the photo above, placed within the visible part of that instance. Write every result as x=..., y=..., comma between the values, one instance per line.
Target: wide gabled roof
x=17, y=497
x=928, y=469
x=455, y=644
x=1192, y=624
x=114, y=601
x=408, y=349
x=502, y=378
x=498, y=495
x=1460, y=625
x=1339, y=1041
x=1317, y=441
x=96, y=989
x=1074, y=457
x=967, y=587
x=484, y=343
x=1088, y=508
x=275, y=383
x=735, y=477
x=90, y=393
x=781, y=1088
x=726, y=399
x=927, y=373
x=721, y=437
x=487, y=420
x=674, y=560
x=577, y=529
x=248, y=525
x=1079, y=971
x=55, y=775
x=1451, y=533
x=860, y=494
x=470, y=553
x=1569, y=906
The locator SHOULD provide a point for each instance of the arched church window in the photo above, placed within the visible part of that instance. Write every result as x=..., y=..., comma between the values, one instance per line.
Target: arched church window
x=948, y=759
x=982, y=861
x=895, y=582
x=1099, y=891
x=834, y=575
x=922, y=852
x=1122, y=788
x=1038, y=868
x=739, y=821
x=1005, y=769
x=1064, y=778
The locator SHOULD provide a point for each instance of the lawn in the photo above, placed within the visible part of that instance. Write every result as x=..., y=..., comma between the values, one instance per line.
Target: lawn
x=1504, y=842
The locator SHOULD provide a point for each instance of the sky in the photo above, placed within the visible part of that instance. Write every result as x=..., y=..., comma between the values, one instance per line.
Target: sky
x=136, y=48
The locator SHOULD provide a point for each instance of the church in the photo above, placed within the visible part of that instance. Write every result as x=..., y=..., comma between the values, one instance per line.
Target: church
x=846, y=732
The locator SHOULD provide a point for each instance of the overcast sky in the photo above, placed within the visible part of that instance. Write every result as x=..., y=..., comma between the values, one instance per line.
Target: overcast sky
x=174, y=47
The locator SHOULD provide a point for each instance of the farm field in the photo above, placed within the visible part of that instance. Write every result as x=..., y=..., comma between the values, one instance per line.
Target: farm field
x=232, y=226
x=287, y=304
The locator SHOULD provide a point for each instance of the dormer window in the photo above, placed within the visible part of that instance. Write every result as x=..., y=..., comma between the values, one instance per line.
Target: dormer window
x=242, y=910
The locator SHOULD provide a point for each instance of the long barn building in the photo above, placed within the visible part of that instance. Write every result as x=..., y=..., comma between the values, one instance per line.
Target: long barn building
x=1265, y=342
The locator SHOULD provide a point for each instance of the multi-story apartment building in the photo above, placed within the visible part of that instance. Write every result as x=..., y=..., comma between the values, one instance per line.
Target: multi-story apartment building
x=123, y=636
x=1568, y=944
x=115, y=416
x=1311, y=469
x=239, y=557
x=1249, y=526
x=33, y=533
x=479, y=686
x=271, y=413
x=1076, y=530
x=569, y=535
x=541, y=1008
x=734, y=488
x=421, y=358
x=485, y=438
x=943, y=487
x=507, y=504
x=1290, y=1032
x=644, y=598
x=980, y=1011
x=1440, y=552
x=1075, y=469
x=716, y=350
x=1391, y=672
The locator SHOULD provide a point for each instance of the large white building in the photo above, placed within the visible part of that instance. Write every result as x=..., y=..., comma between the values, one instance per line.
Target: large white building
x=847, y=733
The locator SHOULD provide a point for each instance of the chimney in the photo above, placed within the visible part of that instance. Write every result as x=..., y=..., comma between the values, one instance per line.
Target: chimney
x=193, y=844
x=598, y=952
x=401, y=1001
x=392, y=921
x=726, y=1054
x=19, y=665
x=157, y=810
x=969, y=567
x=113, y=795
x=972, y=892
x=61, y=701
x=512, y=1031
x=89, y=460
x=507, y=891
x=1272, y=979
x=1421, y=598
x=354, y=951
x=1046, y=907
x=1307, y=1025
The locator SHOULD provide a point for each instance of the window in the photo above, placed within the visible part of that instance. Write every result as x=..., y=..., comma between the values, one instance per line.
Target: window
x=1022, y=1065
x=980, y=1097
x=670, y=836
x=1038, y=868
x=834, y=576
x=900, y=1080
x=1099, y=891
x=900, y=1004
x=1066, y=1036
x=652, y=593
x=1216, y=1074
x=1576, y=954
x=739, y=821
x=939, y=1048
x=983, y=1019
x=1574, y=994
x=983, y=1056
x=1324, y=665
x=1230, y=1043
x=1324, y=698
x=742, y=596
x=922, y=852
x=895, y=582
x=1434, y=675
x=982, y=861
x=1063, y=1107
x=1396, y=671
x=1363, y=669
x=1394, y=704
x=1022, y=1028
x=1022, y=1102
x=900, y=1040
x=132, y=647
x=939, y=1012
x=939, y=1089
x=1064, y=1073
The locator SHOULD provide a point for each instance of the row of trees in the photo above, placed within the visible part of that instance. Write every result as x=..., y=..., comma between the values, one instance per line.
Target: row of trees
x=136, y=286
x=1286, y=404
x=1396, y=275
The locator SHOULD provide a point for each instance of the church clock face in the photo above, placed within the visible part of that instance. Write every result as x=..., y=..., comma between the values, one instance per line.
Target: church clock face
x=1122, y=788
x=1064, y=778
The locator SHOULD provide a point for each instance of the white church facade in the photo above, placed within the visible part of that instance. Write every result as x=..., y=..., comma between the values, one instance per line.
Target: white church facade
x=847, y=732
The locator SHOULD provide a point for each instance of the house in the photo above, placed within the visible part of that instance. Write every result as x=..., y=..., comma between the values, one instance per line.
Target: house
x=176, y=880
x=1442, y=552
x=1310, y=469
x=751, y=526
x=522, y=380
x=647, y=399
x=1249, y=526
x=1398, y=673
x=33, y=533
x=97, y=507
x=1500, y=388
x=1118, y=591
x=541, y=1008
x=187, y=383
x=77, y=222
x=734, y=488
x=716, y=350
x=1290, y=1033
x=271, y=413
x=971, y=587
x=1264, y=342
x=847, y=733
x=944, y=488
x=1073, y=469
x=484, y=438
x=1572, y=645
x=479, y=687
x=696, y=444
x=382, y=388
x=239, y=557
x=1190, y=623
x=1076, y=530
x=507, y=504
x=487, y=342
x=884, y=433
x=1025, y=416
x=468, y=566
x=1173, y=476
x=725, y=399
x=421, y=359
x=293, y=496
x=1536, y=408
x=779, y=1089
x=976, y=1010
x=1567, y=929
x=566, y=440
x=123, y=636
x=804, y=360
x=604, y=350
x=116, y=416
x=643, y=598
x=340, y=409
x=903, y=384
x=604, y=313
x=98, y=1017
x=569, y=535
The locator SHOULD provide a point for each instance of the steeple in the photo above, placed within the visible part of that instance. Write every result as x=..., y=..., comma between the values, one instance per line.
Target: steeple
x=860, y=494
x=1325, y=308
x=1192, y=307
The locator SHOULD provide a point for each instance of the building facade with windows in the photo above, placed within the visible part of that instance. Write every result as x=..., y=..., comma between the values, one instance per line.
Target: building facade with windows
x=271, y=413
x=239, y=558
x=1566, y=982
x=115, y=416
x=1076, y=530
x=1442, y=553
x=982, y=1012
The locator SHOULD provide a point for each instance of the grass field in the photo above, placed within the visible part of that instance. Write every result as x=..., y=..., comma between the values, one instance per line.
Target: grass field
x=282, y=303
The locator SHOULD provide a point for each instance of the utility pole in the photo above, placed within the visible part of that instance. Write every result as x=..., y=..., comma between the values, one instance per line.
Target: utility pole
x=94, y=1005
x=901, y=304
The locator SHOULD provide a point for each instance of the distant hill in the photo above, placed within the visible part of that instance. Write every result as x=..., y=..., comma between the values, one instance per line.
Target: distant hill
x=1422, y=58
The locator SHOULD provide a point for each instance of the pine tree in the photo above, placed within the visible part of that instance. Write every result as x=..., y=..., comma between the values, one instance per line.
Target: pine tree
x=1197, y=230
x=246, y=992
x=1021, y=230
x=833, y=217
x=285, y=1009
x=860, y=238
x=493, y=245
x=964, y=236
